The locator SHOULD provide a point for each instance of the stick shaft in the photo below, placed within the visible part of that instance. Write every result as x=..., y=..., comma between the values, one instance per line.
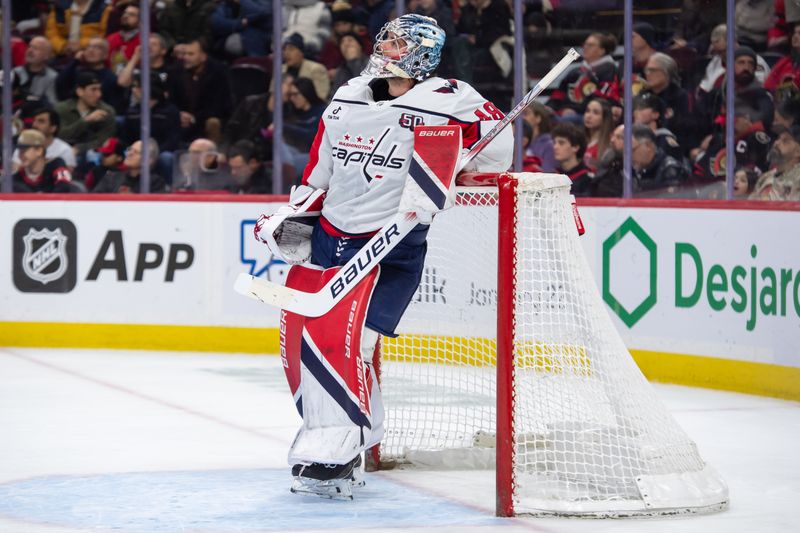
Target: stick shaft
x=545, y=82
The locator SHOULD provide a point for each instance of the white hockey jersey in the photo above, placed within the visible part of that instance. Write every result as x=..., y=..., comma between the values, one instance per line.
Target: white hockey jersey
x=363, y=148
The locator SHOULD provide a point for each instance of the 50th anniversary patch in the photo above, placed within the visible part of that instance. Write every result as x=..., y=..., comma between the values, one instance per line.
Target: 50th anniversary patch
x=45, y=255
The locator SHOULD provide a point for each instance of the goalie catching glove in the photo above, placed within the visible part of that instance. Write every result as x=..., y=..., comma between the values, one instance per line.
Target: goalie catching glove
x=287, y=231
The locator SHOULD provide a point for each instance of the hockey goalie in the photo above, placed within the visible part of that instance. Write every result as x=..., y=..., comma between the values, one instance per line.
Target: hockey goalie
x=387, y=145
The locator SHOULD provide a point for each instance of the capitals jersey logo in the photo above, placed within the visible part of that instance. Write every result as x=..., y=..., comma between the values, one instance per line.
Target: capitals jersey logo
x=366, y=151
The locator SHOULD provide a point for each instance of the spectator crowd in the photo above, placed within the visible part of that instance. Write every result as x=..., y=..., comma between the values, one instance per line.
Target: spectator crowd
x=77, y=96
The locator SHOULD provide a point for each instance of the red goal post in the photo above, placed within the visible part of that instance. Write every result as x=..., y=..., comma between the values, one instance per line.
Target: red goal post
x=507, y=359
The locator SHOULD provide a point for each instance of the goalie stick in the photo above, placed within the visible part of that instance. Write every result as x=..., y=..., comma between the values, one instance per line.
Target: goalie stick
x=313, y=304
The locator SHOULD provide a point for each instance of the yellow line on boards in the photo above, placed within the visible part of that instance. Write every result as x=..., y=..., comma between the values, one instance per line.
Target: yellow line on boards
x=140, y=337
x=691, y=370
x=723, y=374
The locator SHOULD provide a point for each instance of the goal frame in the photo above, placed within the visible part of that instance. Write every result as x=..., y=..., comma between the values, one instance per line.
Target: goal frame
x=649, y=472
x=506, y=291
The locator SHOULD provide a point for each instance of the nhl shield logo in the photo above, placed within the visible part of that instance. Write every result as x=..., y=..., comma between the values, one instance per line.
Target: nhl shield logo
x=45, y=256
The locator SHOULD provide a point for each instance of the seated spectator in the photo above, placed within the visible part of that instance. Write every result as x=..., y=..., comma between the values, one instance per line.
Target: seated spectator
x=118, y=8
x=569, y=145
x=111, y=155
x=751, y=142
x=653, y=170
x=70, y=25
x=541, y=144
x=598, y=124
x=36, y=174
x=663, y=81
x=46, y=121
x=160, y=66
x=649, y=109
x=244, y=27
x=784, y=79
x=343, y=23
x=122, y=43
x=643, y=44
x=608, y=181
x=747, y=89
x=355, y=60
x=311, y=20
x=744, y=182
x=295, y=63
x=86, y=121
x=597, y=74
x=248, y=173
x=301, y=123
x=783, y=181
x=202, y=93
x=184, y=21
x=199, y=167
x=165, y=119
x=35, y=76
x=128, y=180
x=715, y=69
x=92, y=59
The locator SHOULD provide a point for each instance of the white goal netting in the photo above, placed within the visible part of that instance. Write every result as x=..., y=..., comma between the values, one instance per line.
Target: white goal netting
x=590, y=436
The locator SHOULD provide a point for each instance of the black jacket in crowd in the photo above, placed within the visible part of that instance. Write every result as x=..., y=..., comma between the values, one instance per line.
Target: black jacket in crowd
x=662, y=175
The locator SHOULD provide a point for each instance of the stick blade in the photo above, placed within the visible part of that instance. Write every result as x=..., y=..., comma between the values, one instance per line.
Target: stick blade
x=269, y=293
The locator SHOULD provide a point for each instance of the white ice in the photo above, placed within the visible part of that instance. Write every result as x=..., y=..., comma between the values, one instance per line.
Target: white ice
x=151, y=442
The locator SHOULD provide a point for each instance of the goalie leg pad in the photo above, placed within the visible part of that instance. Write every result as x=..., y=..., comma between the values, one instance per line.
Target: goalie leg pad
x=369, y=341
x=291, y=329
x=334, y=387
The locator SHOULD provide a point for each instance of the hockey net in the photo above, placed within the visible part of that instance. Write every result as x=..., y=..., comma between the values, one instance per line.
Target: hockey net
x=570, y=422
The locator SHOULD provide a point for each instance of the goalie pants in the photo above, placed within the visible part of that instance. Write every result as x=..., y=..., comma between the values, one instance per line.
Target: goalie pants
x=401, y=272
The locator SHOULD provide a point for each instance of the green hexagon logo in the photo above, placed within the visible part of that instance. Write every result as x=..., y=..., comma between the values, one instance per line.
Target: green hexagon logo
x=629, y=317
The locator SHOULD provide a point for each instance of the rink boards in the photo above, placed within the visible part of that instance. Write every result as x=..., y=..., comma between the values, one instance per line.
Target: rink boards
x=703, y=294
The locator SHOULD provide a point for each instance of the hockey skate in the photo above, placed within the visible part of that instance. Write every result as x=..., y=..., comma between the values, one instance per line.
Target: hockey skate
x=328, y=481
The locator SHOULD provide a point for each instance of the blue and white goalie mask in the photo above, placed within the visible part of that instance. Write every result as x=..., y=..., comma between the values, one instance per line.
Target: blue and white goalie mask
x=406, y=47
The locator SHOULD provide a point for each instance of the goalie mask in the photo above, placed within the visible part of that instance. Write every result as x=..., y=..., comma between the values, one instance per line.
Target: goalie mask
x=406, y=47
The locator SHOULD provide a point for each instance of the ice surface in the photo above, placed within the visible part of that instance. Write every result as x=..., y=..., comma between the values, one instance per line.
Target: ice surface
x=151, y=442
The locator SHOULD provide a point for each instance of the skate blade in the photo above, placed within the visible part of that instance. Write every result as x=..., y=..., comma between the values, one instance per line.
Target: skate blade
x=340, y=489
